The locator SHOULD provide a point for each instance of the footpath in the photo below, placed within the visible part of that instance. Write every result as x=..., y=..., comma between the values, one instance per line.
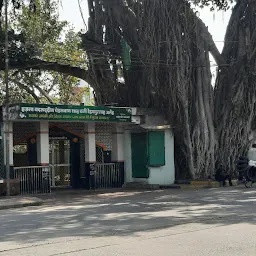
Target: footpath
x=19, y=202
x=39, y=199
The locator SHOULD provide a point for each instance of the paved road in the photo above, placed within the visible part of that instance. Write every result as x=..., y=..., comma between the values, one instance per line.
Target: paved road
x=188, y=223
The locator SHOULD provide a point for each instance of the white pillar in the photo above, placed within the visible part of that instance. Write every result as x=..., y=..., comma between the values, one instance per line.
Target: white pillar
x=90, y=154
x=90, y=143
x=11, y=143
x=117, y=143
x=43, y=143
x=8, y=132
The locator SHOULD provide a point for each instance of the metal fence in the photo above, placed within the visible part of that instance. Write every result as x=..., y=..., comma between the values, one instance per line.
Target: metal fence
x=108, y=176
x=33, y=179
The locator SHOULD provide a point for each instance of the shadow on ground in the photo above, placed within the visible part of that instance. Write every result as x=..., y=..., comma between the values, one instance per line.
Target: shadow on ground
x=126, y=213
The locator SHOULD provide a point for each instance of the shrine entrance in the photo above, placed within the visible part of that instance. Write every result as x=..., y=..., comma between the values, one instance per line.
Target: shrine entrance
x=60, y=167
x=56, y=146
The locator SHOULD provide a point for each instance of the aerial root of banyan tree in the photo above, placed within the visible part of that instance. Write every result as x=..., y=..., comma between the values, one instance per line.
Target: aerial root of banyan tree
x=170, y=70
x=235, y=91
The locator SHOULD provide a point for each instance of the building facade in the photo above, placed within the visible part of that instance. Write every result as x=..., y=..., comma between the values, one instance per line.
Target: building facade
x=86, y=147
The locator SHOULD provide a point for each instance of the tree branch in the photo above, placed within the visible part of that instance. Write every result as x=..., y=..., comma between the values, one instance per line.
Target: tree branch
x=54, y=82
x=207, y=37
x=26, y=88
x=126, y=19
x=52, y=66
x=43, y=92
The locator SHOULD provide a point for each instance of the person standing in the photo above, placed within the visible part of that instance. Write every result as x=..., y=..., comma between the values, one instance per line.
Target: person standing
x=252, y=153
x=221, y=176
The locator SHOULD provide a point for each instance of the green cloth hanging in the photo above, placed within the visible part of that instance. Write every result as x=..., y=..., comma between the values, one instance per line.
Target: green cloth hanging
x=126, y=54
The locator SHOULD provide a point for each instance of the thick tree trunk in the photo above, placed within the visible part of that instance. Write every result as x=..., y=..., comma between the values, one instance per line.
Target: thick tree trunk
x=170, y=69
x=235, y=91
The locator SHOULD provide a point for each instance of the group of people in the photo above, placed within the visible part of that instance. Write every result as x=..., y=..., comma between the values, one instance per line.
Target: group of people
x=222, y=176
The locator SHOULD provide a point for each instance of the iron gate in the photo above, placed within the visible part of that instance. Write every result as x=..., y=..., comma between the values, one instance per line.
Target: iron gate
x=60, y=163
x=108, y=176
x=33, y=179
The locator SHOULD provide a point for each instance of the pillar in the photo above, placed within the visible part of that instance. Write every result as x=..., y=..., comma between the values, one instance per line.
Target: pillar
x=90, y=154
x=8, y=135
x=43, y=144
x=117, y=154
x=76, y=173
x=42, y=148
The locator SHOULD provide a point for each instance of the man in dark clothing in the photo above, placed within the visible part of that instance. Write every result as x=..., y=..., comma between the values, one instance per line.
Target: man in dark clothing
x=222, y=176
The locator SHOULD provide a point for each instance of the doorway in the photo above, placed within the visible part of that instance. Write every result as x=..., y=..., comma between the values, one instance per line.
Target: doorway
x=60, y=166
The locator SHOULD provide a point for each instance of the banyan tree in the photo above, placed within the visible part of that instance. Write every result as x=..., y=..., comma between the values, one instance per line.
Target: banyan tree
x=161, y=50
x=155, y=54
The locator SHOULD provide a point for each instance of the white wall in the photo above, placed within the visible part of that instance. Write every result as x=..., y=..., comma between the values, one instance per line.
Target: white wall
x=164, y=175
x=127, y=157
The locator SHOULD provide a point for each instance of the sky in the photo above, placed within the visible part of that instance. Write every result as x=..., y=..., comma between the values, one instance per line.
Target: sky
x=69, y=10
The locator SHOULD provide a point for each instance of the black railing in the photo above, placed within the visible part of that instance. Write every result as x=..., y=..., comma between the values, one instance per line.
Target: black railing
x=108, y=175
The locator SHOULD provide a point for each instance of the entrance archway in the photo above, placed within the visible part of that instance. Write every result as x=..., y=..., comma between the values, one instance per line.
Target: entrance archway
x=60, y=162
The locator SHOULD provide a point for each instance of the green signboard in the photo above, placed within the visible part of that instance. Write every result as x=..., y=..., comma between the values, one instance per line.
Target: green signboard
x=69, y=113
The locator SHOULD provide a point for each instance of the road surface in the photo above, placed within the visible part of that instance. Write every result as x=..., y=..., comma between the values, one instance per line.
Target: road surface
x=160, y=223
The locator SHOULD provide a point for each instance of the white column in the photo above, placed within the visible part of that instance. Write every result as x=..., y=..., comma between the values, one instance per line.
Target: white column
x=8, y=132
x=117, y=143
x=90, y=143
x=43, y=143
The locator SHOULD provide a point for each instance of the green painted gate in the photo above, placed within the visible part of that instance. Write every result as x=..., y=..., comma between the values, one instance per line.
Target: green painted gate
x=139, y=155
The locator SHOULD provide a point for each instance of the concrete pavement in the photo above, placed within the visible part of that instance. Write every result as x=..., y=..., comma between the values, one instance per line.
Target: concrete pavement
x=171, y=222
x=19, y=202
